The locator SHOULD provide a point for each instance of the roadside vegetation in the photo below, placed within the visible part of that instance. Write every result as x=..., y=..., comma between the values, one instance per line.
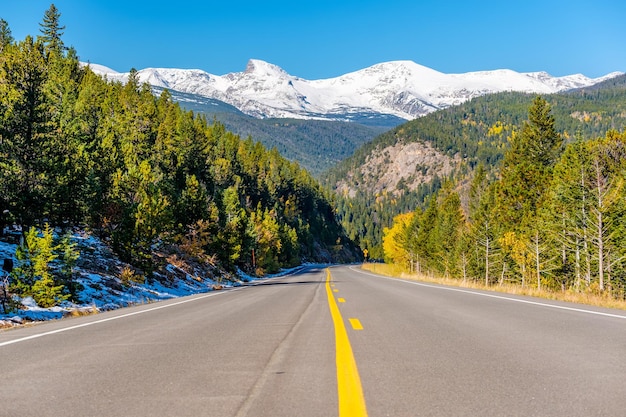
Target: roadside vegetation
x=136, y=170
x=587, y=298
x=550, y=219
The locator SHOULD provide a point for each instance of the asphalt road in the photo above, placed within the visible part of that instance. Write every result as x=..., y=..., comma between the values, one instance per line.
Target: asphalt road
x=314, y=344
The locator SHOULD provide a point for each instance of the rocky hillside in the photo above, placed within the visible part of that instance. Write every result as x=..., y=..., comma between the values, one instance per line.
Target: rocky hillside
x=400, y=169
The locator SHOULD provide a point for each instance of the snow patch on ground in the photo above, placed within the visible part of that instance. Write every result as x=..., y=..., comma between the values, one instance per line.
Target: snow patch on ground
x=102, y=289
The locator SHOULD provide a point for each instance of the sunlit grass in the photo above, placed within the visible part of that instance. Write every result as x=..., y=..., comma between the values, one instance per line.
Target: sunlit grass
x=396, y=271
x=78, y=312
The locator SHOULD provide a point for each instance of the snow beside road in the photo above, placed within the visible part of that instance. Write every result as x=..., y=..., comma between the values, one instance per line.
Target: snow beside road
x=102, y=288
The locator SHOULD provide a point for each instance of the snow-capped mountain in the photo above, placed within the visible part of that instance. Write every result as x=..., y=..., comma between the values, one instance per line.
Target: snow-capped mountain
x=400, y=88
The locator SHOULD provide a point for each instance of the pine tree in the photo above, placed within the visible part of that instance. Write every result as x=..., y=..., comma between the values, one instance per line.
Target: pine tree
x=587, y=210
x=483, y=232
x=68, y=161
x=51, y=30
x=68, y=255
x=46, y=292
x=33, y=275
x=426, y=239
x=608, y=156
x=6, y=37
x=268, y=246
x=567, y=215
x=526, y=168
x=450, y=223
x=25, y=130
x=234, y=226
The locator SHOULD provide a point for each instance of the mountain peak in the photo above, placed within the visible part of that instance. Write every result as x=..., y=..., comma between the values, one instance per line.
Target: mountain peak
x=261, y=68
x=405, y=65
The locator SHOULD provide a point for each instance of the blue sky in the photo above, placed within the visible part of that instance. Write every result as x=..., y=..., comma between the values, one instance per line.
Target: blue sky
x=323, y=38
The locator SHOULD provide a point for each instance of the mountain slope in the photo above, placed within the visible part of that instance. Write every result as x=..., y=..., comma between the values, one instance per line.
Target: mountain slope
x=467, y=132
x=402, y=89
x=382, y=180
x=316, y=145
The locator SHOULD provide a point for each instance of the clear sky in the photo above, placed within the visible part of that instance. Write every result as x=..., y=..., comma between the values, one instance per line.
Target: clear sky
x=327, y=38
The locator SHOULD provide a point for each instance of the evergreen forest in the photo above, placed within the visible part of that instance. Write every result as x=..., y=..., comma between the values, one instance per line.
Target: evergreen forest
x=134, y=168
x=480, y=133
x=550, y=215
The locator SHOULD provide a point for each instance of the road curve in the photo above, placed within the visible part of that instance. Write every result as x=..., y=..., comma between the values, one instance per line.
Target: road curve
x=274, y=349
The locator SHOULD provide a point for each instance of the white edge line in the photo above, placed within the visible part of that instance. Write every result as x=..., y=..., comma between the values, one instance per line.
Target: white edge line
x=65, y=329
x=500, y=297
x=134, y=313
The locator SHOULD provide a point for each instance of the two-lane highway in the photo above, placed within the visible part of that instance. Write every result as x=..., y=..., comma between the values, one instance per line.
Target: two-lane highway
x=263, y=350
x=321, y=343
x=429, y=350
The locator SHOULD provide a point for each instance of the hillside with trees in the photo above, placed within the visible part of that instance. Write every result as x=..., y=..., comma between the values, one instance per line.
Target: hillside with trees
x=553, y=217
x=143, y=174
x=475, y=133
x=317, y=145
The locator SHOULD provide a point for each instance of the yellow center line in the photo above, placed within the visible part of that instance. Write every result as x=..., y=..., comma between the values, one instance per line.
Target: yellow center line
x=356, y=324
x=341, y=300
x=349, y=390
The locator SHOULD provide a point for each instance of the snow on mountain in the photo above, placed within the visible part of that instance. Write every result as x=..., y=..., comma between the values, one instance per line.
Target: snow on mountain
x=102, y=70
x=400, y=88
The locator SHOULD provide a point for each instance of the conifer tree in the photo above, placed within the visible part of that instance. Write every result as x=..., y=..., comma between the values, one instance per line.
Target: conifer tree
x=25, y=131
x=45, y=290
x=234, y=226
x=33, y=275
x=567, y=215
x=526, y=168
x=450, y=224
x=51, y=30
x=608, y=161
x=268, y=245
x=68, y=255
x=483, y=233
x=525, y=175
x=426, y=239
x=6, y=37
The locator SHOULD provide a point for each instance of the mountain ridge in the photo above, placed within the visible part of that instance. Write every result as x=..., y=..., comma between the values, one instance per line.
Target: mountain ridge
x=402, y=89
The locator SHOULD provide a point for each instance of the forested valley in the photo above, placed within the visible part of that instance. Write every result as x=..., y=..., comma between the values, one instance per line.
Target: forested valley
x=549, y=215
x=477, y=132
x=133, y=168
x=537, y=199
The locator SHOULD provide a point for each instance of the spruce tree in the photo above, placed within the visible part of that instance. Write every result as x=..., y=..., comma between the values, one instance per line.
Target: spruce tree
x=46, y=292
x=449, y=228
x=25, y=131
x=526, y=168
x=52, y=30
x=6, y=38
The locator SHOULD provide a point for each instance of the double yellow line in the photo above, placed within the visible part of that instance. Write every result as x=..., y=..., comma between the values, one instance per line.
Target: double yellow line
x=349, y=389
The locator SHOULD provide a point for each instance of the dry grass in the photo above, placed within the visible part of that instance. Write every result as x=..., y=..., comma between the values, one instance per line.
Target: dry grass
x=128, y=276
x=597, y=300
x=78, y=312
